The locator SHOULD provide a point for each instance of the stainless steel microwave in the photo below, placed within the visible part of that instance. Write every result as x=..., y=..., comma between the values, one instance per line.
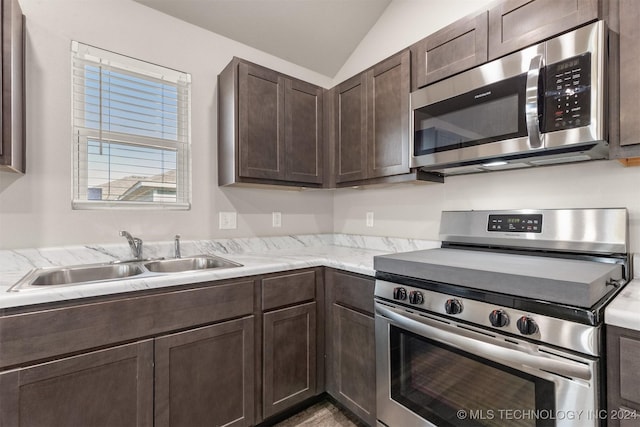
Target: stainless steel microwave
x=542, y=105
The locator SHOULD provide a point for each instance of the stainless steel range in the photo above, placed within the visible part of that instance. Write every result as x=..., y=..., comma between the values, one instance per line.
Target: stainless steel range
x=502, y=325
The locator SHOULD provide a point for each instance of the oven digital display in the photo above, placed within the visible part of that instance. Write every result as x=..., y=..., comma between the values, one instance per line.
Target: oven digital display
x=518, y=223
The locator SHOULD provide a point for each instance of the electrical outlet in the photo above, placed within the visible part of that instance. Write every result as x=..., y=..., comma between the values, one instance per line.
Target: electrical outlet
x=369, y=219
x=228, y=220
x=276, y=219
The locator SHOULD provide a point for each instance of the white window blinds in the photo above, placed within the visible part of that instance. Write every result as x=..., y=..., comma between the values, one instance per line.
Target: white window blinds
x=131, y=132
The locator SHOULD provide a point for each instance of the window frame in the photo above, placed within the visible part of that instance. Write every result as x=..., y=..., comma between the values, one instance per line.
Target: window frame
x=82, y=133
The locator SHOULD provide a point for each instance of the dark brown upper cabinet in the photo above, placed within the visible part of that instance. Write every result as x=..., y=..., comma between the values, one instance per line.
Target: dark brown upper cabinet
x=457, y=47
x=515, y=24
x=12, y=105
x=625, y=81
x=371, y=123
x=269, y=128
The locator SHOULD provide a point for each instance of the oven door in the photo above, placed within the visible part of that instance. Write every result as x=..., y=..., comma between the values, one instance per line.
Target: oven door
x=433, y=372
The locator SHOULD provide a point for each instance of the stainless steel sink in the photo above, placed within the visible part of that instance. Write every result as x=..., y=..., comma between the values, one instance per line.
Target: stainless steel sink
x=77, y=274
x=91, y=273
x=199, y=262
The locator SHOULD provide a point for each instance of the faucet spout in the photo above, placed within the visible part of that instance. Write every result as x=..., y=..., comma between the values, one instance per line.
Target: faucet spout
x=134, y=243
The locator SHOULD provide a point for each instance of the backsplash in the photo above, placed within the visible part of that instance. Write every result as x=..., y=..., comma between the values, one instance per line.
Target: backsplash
x=23, y=260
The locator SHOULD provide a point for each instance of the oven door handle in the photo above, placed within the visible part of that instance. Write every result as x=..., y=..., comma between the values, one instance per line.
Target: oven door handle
x=531, y=103
x=480, y=345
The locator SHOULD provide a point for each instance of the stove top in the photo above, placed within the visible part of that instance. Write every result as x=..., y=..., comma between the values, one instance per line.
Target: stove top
x=563, y=263
x=572, y=282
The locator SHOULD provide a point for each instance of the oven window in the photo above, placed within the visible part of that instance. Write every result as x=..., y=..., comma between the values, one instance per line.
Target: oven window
x=439, y=383
x=484, y=115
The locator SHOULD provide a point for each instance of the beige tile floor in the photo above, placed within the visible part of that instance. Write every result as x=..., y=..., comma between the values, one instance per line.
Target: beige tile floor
x=322, y=414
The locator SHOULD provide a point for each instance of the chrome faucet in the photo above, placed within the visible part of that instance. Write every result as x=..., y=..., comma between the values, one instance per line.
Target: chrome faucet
x=134, y=243
x=176, y=246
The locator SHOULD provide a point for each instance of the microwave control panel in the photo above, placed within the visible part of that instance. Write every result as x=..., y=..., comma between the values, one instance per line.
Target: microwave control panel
x=567, y=94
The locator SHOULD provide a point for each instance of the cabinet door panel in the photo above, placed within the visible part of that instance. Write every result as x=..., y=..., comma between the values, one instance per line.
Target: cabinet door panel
x=205, y=376
x=629, y=77
x=388, y=117
x=12, y=137
x=112, y=387
x=261, y=120
x=630, y=365
x=289, y=357
x=303, y=132
x=455, y=48
x=354, y=361
x=514, y=24
x=351, y=144
x=623, y=376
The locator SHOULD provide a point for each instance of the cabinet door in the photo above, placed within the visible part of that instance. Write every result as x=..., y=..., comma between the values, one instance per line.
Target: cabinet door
x=303, y=132
x=205, y=376
x=261, y=121
x=354, y=362
x=350, y=134
x=388, y=117
x=629, y=99
x=455, y=48
x=289, y=357
x=514, y=24
x=351, y=378
x=11, y=105
x=112, y=387
x=623, y=376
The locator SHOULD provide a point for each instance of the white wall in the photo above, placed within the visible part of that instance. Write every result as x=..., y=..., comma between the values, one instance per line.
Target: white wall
x=35, y=209
x=414, y=210
x=403, y=23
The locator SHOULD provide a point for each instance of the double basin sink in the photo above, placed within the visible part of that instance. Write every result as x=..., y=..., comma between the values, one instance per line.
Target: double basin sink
x=91, y=273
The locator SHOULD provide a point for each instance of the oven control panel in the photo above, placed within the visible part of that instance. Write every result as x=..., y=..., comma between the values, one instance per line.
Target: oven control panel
x=516, y=223
x=538, y=327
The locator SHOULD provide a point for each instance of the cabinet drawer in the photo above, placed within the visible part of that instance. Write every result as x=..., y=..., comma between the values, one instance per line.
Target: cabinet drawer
x=48, y=333
x=353, y=291
x=279, y=291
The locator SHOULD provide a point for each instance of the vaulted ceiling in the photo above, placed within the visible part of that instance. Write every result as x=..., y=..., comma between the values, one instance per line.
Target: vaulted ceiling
x=316, y=34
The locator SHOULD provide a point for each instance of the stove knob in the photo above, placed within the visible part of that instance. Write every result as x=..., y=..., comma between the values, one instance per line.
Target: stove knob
x=415, y=297
x=527, y=326
x=453, y=306
x=400, y=294
x=499, y=318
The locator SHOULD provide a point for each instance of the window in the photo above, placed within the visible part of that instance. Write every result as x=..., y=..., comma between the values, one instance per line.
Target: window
x=131, y=132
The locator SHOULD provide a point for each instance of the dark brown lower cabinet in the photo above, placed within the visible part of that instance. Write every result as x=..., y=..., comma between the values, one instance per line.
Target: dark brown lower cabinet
x=111, y=387
x=351, y=360
x=623, y=377
x=204, y=376
x=289, y=357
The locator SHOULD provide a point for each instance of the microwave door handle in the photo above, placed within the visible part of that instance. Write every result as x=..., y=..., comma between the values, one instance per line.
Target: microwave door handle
x=531, y=104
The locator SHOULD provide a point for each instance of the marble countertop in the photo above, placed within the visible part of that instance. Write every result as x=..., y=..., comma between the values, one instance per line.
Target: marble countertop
x=624, y=310
x=257, y=256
